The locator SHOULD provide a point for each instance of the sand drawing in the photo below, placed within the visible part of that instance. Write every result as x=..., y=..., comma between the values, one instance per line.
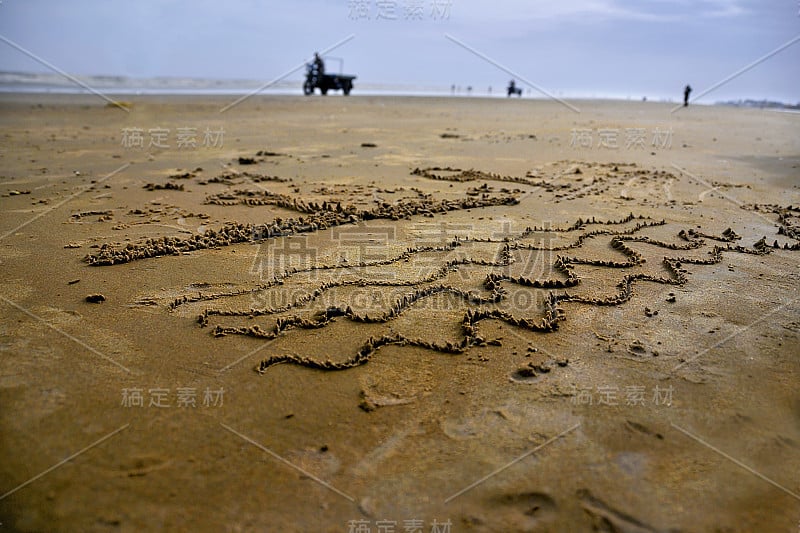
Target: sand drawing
x=311, y=308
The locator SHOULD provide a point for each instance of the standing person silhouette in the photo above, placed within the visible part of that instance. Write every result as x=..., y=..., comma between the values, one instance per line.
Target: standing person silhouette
x=319, y=64
x=686, y=91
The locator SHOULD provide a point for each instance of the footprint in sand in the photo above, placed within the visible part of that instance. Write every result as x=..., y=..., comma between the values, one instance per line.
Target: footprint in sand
x=523, y=512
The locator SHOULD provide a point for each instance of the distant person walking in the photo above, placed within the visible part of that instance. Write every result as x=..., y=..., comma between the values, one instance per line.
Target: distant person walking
x=319, y=64
x=686, y=91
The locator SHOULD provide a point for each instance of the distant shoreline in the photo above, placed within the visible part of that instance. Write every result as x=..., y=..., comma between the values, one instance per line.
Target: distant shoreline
x=85, y=96
x=288, y=90
x=367, y=90
x=388, y=92
x=123, y=86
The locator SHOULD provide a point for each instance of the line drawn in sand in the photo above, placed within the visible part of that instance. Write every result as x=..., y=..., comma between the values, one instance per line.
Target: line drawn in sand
x=477, y=276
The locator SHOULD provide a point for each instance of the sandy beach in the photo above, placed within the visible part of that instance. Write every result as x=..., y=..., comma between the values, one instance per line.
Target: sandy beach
x=319, y=314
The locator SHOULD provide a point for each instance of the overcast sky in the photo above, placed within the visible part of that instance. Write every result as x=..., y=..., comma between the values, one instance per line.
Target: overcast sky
x=570, y=47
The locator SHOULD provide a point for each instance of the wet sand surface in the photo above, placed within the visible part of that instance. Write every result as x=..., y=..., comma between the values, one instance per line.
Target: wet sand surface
x=317, y=314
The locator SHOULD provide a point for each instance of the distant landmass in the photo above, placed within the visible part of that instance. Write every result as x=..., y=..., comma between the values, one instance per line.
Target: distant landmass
x=47, y=82
x=761, y=104
x=56, y=83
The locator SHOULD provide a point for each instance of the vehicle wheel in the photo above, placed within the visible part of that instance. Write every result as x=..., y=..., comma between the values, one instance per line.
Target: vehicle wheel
x=308, y=89
x=347, y=88
x=324, y=90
